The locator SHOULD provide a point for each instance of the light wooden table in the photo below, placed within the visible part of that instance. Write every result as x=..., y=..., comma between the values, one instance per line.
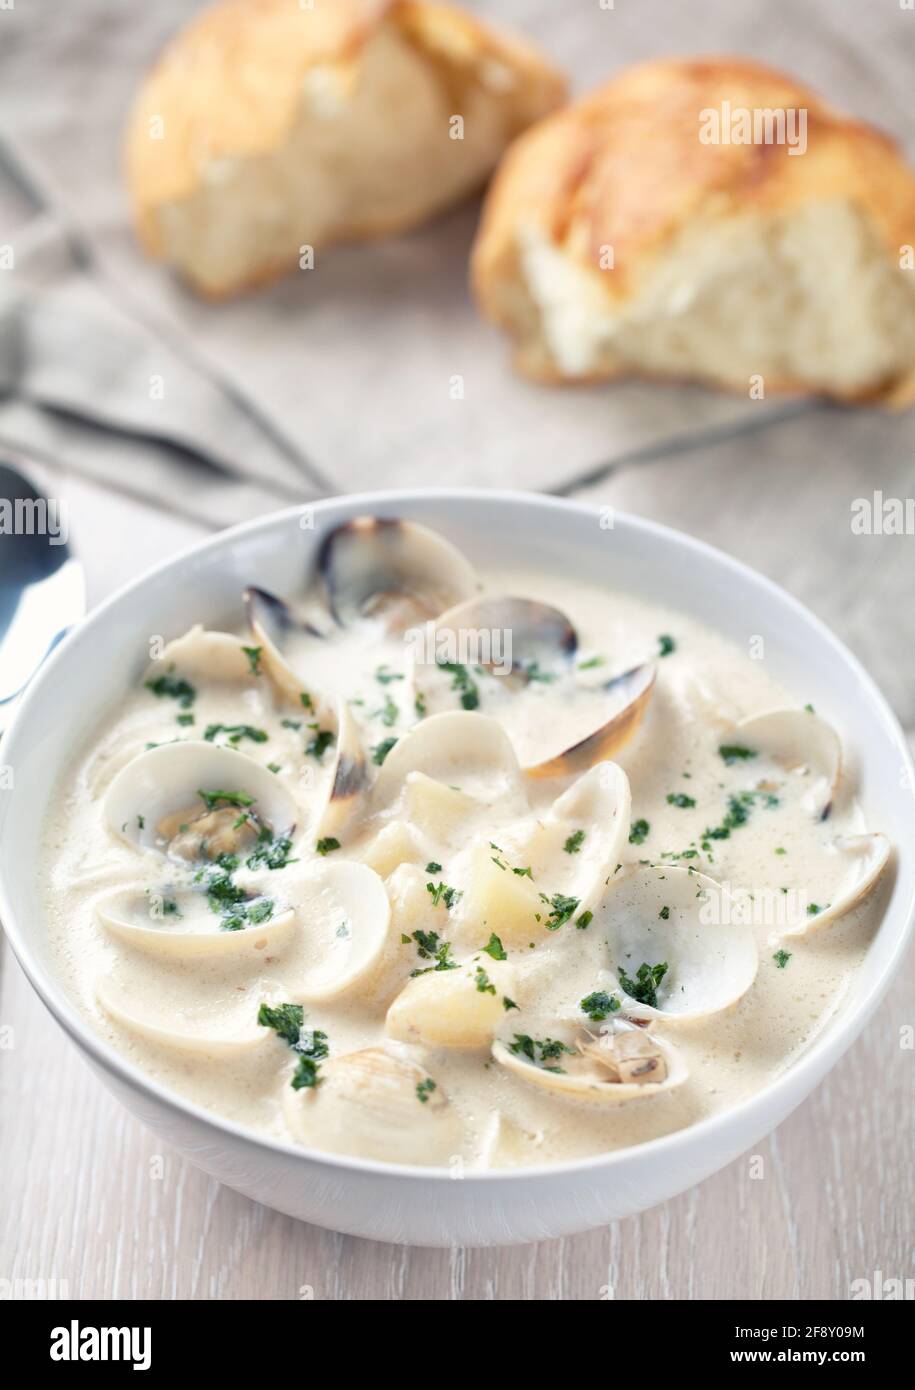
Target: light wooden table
x=90, y=1200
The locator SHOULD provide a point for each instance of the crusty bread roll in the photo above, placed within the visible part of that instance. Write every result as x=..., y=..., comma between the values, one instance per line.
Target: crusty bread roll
x=730, y=262
x=268, y=126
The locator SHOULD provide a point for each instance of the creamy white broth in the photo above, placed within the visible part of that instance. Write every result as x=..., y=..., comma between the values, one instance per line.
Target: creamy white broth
x=495, y=1117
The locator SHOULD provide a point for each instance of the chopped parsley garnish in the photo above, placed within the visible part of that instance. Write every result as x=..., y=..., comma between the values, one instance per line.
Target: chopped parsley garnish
x=495, y=948
x=327, y=845
x=680, y=799
x=286, y=1020
x=388, y=713
x=782, y=958
x=433, y=867
x=644, y=988
x=212, y=800
x=533, y=673
x=424, y=1090
x=735, y=753
x=254, y=659
x=638, y=832
x=813, y=909
x=174, y=689
x=384, y=675
x=664, y=914
x=269, y=853
x=584, y=920
x=483, y=983
x=462, y=682
x=310, y=1044
x=590, y=664
x=430, y=946
x=561, y=909
x=319, y=743
x=508, y=1003
x=419, y=704
x=442, y=893
x=306, y=700
x=235, y=733
x=184, y=719
x=549, y=1049
x=666, y=644
x=575, y=841
x=599, y=1005
x=291, y=723
x=381, y=750
x=737, y=814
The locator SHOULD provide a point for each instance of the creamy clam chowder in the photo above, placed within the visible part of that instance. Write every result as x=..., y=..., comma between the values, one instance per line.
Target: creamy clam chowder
x=442, y=867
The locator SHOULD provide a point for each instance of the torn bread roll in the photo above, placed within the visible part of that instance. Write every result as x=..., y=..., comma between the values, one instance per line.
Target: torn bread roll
x=633, y=233
x=269, y=129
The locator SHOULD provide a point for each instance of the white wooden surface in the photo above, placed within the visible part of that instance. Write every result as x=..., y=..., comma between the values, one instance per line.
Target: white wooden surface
x=87, y=1201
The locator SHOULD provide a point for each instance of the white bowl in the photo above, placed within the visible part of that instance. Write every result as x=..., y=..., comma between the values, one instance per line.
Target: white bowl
x=90, y=671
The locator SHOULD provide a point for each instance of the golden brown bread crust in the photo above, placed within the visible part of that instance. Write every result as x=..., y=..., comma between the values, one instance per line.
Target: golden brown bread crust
x=624, y=167
x=228, y=86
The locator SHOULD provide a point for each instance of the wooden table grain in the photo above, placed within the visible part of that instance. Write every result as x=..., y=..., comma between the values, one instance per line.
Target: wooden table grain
x=94, y=1205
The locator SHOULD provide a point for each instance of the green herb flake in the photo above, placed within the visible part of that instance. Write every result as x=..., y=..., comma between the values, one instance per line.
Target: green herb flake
x=735, y=753
x=575, y=841
x=173, y=688
x=599, y=1005
x=644, y=988
x=327, y=845
x=638, y=832
x=782, y=958
x=254, y=659
x=381, y=750
x=495, y=948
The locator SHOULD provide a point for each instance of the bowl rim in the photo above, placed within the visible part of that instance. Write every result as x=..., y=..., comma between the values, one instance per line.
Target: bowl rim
x=845, y=1028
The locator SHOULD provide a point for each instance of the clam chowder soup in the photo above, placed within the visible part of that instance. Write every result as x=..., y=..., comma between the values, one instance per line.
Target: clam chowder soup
x=438, y=866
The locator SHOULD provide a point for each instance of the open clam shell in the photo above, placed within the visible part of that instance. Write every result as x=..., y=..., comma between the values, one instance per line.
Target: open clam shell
x=468, y=753
x=526, y=641
x=195, y=800
x=349, y=781
x=344, y=914
x=802, y=744
x=180, y=925
x=391, y=572
x=377, y=1104
x=630, y=692
x=865, y=857
x=582, y=839
x=660, y=916
x=624, y=1064
x=187, y=1031
x=203, y=654
x=290, y=646
x=529, y=638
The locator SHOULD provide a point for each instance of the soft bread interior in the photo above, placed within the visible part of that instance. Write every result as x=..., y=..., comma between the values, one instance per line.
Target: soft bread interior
x=806, y=297
x=369, y=151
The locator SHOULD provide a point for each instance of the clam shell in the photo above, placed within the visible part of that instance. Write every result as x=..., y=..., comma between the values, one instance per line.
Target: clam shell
x=391, y=571
x=182, y=1033
x=463, y=750
x=127, y=914
x=203, y=654
x=631, y=691
x=589, y=1080
x=167, y=780
x=345, y=916
x=803, y=744
x=867, y=856
x=711, y=961
x=367, y=1103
